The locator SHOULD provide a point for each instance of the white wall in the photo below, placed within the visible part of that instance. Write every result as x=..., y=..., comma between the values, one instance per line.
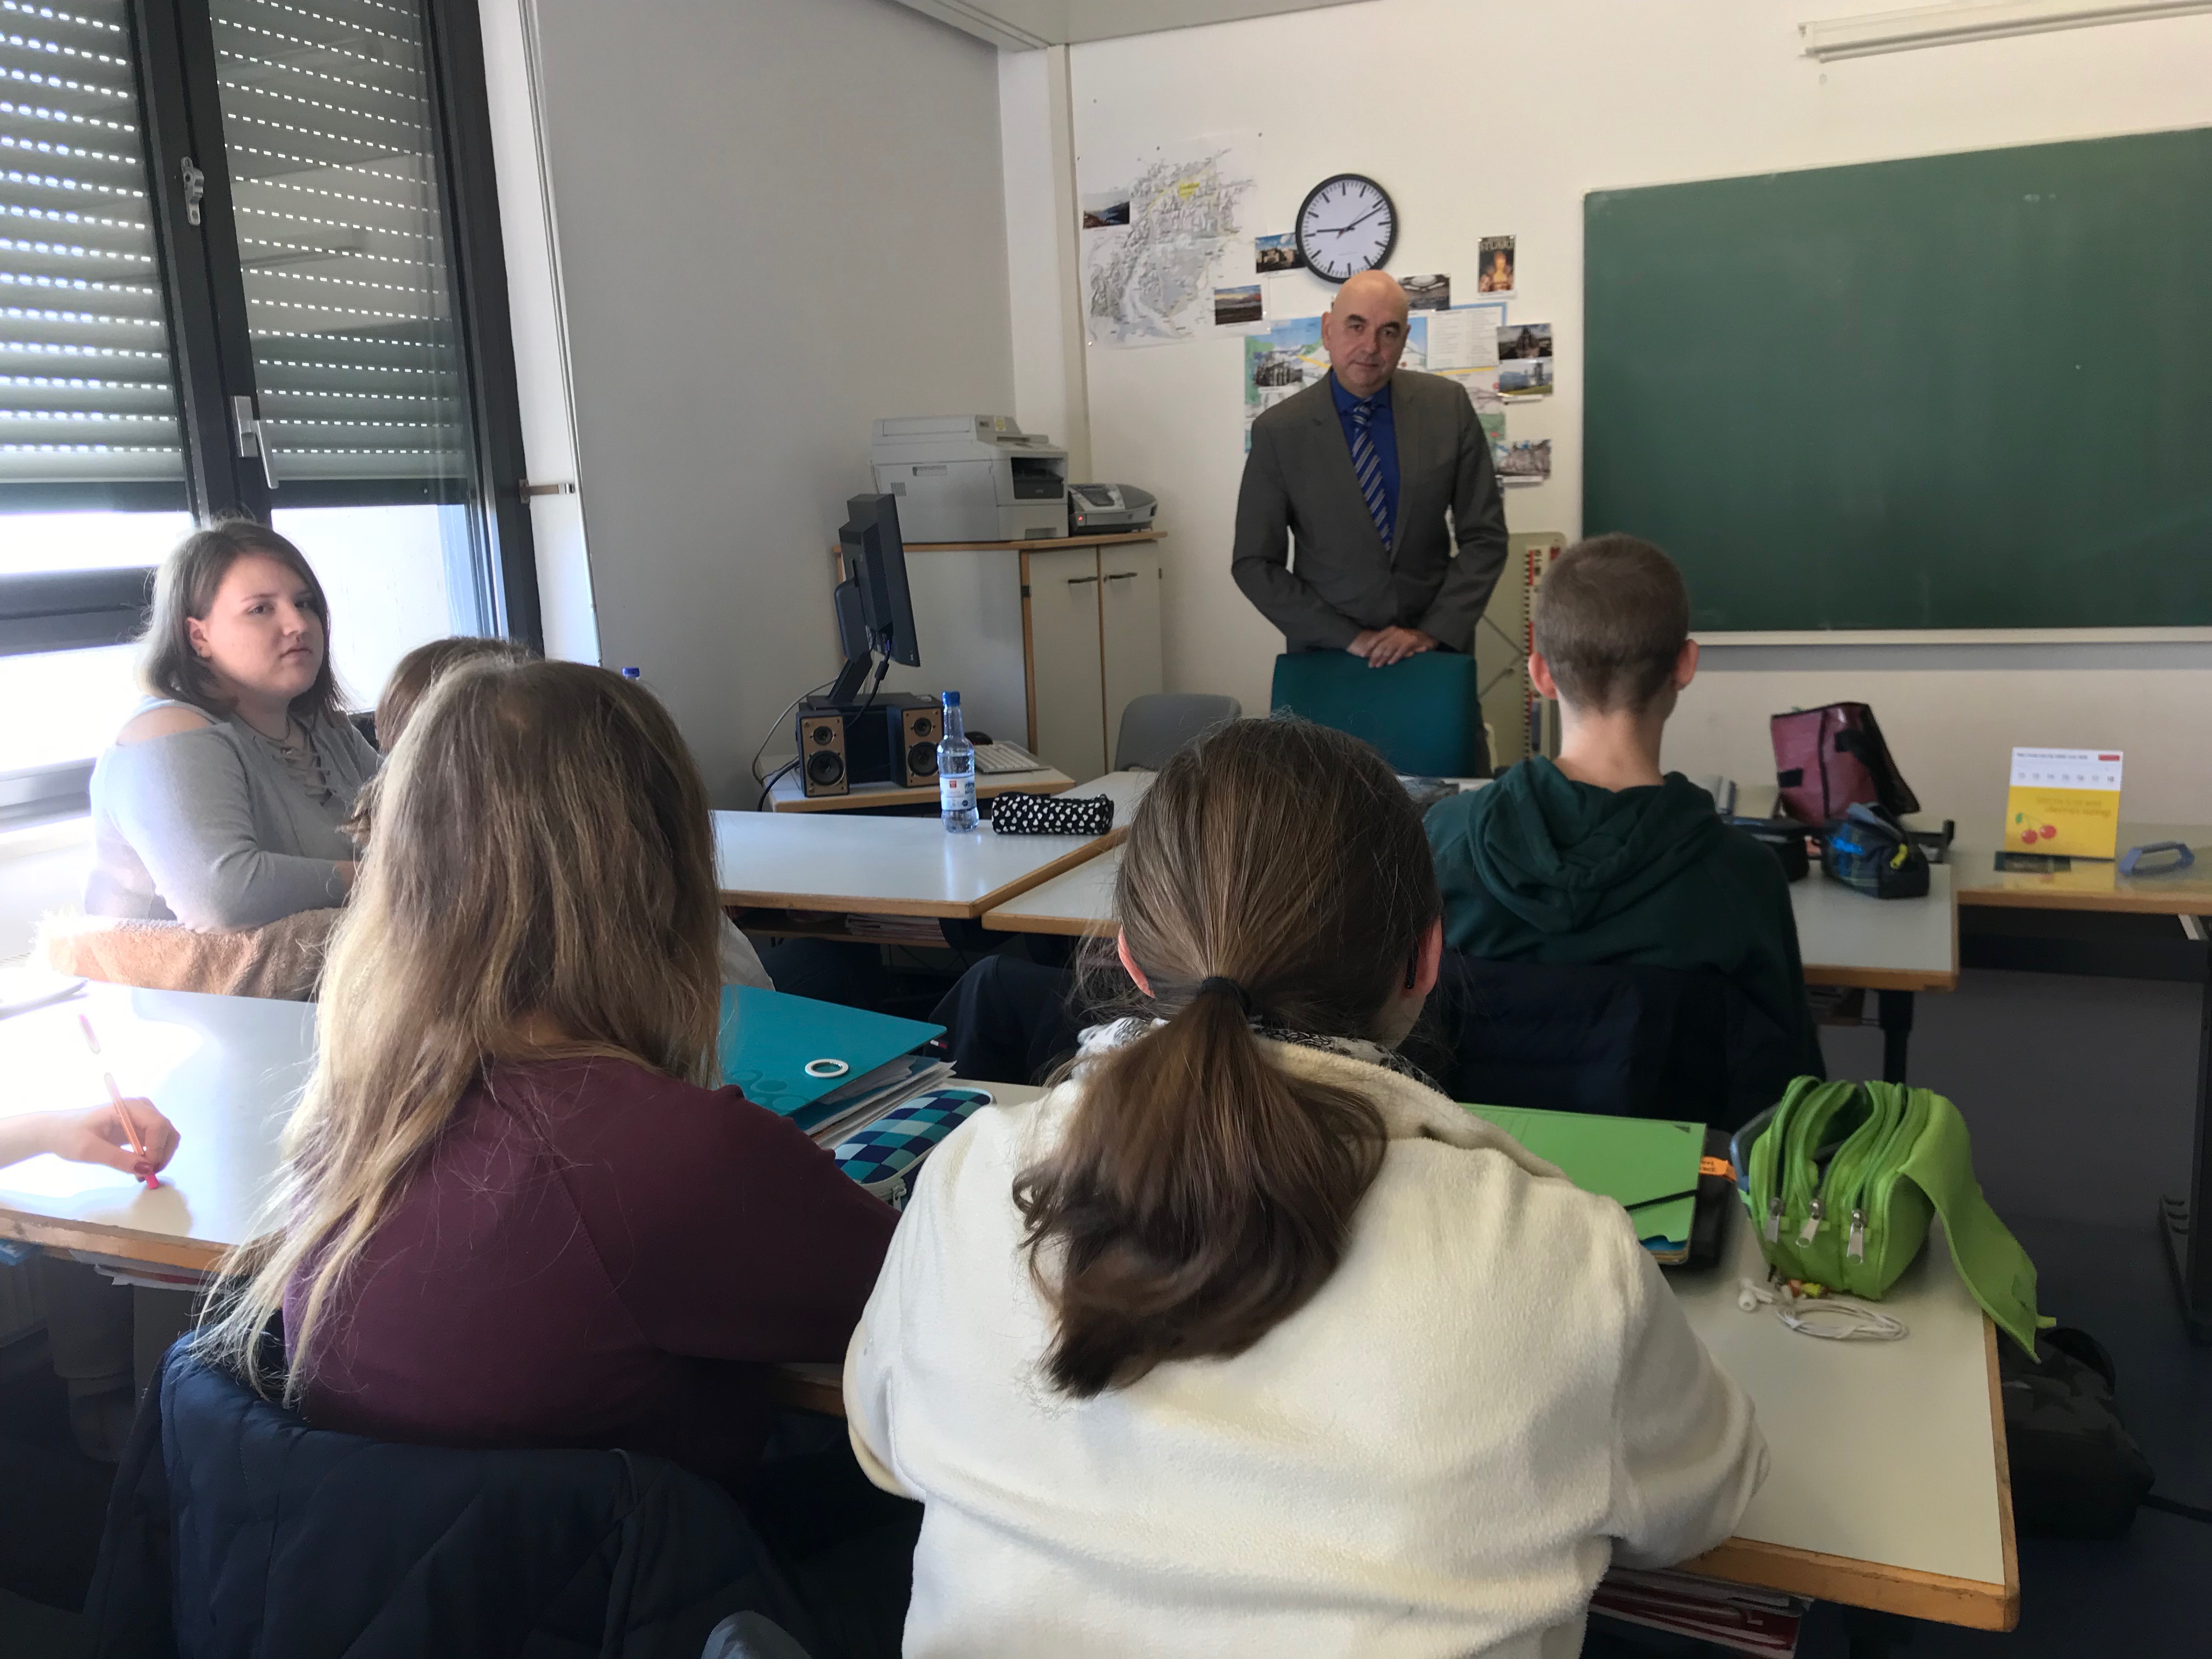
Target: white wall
x=775, y=224
x=1497, y=117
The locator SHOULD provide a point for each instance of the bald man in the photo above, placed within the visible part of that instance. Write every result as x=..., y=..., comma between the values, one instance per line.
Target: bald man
x=1363, y=469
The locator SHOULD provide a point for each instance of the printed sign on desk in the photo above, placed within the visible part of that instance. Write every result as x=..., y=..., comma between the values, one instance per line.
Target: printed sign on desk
x=2064, y=801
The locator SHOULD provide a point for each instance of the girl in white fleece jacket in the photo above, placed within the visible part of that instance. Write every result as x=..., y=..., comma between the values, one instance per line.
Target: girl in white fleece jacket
x=1245, y=1341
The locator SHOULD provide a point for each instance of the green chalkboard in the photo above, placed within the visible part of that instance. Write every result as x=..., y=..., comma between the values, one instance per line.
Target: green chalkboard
x=1960, y=392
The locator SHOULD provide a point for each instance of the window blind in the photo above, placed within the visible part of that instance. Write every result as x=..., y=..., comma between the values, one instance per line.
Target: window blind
x=342, y=239
x=88, y=403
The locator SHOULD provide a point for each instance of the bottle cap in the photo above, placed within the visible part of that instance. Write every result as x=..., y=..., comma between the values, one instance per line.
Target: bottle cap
x=629, y=673
x=951, y=699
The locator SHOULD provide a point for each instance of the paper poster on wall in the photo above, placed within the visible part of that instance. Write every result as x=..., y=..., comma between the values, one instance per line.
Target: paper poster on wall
x=1526, y=462
x=1466, y=336
x=1496, y=270
x=1283, y=360
x=1431, y=293
x=1161, y=230
x=1524, y=360
x=1234, y=306
x=1493, y=428
x=1278, y=253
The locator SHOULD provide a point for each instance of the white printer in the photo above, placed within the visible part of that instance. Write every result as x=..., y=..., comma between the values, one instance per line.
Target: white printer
x=970, y=479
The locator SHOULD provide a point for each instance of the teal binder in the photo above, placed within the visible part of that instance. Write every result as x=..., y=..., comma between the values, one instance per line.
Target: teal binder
x=769, y=1039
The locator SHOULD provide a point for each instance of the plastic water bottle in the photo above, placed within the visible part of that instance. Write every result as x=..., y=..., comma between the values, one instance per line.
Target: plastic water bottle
x=956, y=771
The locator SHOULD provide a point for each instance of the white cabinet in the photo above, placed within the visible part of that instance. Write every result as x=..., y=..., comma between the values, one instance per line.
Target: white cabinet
x=1046, y=641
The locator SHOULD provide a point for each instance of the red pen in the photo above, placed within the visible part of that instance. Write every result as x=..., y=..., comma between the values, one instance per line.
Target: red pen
x=129, y=1129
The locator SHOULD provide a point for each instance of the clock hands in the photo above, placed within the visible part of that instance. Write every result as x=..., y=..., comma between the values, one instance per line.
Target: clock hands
x=1338, y=230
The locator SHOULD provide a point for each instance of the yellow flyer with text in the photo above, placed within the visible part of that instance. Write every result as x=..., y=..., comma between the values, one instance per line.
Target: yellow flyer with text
x=2064, y=801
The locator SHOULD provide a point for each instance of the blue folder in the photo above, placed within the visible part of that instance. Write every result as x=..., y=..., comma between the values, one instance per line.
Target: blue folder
x=767, y=1038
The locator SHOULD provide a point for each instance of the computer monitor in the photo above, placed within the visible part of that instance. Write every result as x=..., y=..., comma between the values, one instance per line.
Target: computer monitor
x=875, y=557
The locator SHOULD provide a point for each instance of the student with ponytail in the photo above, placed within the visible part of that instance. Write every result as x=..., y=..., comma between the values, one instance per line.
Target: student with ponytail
x=1244, y=1340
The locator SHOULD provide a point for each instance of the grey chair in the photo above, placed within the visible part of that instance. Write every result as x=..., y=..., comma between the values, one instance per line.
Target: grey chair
x=1155, y=726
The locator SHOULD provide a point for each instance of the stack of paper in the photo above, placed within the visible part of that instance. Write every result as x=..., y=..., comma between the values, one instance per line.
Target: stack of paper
x=1732, y=1616
x=1649, y=1166
x=830, y=1069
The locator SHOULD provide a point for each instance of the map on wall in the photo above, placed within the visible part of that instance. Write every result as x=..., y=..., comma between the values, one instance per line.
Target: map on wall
x=1156, y=232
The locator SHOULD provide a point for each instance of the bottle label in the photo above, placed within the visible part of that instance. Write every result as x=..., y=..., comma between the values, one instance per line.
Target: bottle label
x=956, y=794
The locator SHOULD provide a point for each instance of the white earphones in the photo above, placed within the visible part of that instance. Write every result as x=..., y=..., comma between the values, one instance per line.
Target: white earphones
x=1827, y=1317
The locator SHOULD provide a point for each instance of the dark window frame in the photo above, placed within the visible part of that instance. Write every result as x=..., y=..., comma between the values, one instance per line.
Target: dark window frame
x=212, y=351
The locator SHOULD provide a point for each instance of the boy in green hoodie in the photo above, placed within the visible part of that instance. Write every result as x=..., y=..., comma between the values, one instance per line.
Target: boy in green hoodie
x=1598, y=857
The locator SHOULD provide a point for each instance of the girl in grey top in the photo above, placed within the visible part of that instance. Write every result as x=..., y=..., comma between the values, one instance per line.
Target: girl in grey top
x=220, y=801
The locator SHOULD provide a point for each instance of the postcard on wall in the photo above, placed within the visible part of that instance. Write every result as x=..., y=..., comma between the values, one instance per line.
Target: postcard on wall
x=1237, y=305
x=1493, y=428
x=1524, y=360
x=1278, y=253
x=1496, y=265
x=2065, y=801
x=1526, y=462
x=1431, y=293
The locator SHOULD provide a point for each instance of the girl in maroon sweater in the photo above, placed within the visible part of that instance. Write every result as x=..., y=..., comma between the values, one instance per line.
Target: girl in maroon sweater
x=514, y=1211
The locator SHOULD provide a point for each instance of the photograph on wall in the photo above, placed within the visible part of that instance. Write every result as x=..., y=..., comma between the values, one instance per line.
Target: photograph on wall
x=1496, y=265
x=1431, y=293
x=1238, y=305
x=1524, y=360
x=1528, y=462
x=1101, y=211
x=1524, y=340
x=1273, y=253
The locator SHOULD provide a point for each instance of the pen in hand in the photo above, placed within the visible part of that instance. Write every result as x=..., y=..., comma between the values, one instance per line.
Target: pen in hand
x=122, y=1112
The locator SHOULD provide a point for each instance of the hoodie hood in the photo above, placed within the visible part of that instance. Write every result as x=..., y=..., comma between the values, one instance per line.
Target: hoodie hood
x=1563, y=855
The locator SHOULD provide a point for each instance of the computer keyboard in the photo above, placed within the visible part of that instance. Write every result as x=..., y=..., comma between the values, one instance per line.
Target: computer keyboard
x=1005, y=757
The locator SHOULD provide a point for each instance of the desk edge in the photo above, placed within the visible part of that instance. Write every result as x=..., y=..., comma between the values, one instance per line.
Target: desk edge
x=163, y=1250
x=853, y=904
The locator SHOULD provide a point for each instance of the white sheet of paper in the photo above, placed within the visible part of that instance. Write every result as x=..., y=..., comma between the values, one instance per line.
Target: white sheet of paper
x=1466, y=336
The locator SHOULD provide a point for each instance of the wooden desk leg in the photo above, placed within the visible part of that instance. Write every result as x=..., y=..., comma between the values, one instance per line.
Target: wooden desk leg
x=1894, y=1011
x=2189, y=1240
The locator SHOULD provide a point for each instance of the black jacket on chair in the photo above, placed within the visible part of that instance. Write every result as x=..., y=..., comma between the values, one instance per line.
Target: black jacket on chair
x=1629, y=1041
x=235, y=1529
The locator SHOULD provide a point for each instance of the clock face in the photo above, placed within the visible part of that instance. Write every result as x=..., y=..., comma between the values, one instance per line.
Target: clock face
x=1346, y=225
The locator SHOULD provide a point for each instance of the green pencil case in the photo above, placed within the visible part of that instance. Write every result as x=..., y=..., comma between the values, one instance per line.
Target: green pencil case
x=1843, y=1179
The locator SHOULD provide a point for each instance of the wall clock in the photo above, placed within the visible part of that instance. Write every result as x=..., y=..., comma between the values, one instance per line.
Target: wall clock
x=1347, y=224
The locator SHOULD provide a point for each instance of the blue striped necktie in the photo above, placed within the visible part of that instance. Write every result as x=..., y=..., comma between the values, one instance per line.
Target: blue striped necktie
x=1367, y=466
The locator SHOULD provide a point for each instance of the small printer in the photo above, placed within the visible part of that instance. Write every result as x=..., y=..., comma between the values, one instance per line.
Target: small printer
x=970, y=479
x=1093, y=508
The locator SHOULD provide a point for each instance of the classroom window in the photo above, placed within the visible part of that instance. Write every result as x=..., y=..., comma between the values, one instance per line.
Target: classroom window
x=221, y=213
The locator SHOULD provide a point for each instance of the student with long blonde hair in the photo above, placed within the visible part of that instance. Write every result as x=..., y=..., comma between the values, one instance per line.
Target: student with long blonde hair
x=1244, y=1342
x=514, y=1210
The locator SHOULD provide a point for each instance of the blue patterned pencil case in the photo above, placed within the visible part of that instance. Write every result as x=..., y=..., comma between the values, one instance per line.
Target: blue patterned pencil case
x=884, y=1157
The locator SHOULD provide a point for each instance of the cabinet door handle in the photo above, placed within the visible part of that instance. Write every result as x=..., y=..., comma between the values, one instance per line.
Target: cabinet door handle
x=1123, y=577
x=1077, y=581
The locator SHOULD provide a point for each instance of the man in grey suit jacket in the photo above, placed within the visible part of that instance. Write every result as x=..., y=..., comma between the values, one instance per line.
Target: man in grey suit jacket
x=1361, y=468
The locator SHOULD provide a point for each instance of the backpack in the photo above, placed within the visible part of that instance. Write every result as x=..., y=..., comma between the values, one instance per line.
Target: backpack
x=2076, y=1472
x=1829, y=759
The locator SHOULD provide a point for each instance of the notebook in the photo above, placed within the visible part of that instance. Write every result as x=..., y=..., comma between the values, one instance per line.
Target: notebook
x=1631, y=1160
x=769, y=1040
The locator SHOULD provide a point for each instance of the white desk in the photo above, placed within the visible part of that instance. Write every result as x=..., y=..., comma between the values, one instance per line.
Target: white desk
x=899, y=866
x=1886, y=1490
x=788, y=794
x=1881, y=944
x=1889, y=1487
x=227, y=1072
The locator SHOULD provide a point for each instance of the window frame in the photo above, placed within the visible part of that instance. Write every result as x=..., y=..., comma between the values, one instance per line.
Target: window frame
x=211, y=352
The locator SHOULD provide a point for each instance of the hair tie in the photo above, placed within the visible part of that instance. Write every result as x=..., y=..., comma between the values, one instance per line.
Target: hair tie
x=1220, y=982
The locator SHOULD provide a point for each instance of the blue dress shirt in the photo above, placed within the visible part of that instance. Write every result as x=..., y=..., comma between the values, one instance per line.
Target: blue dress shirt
x=1380, y=427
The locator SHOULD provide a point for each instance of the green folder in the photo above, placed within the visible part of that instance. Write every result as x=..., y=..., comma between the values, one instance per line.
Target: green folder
x=1630, y=1160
